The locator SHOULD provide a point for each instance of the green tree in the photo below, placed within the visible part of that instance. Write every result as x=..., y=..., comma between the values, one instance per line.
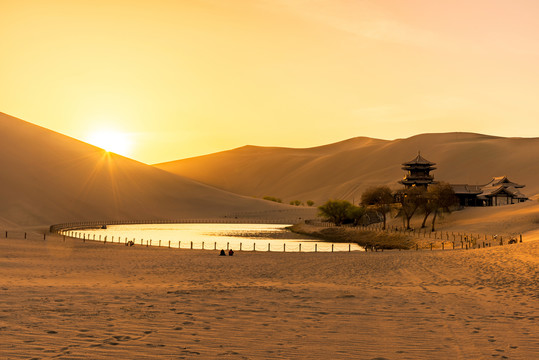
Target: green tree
x=378, y=198
x=336, y=211
x=442, y=197
x=310, y=203
x=410, y=200
x=427, y=206
x=356, y=213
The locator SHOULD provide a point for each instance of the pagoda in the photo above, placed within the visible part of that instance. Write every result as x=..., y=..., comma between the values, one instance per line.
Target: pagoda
x=418, y=172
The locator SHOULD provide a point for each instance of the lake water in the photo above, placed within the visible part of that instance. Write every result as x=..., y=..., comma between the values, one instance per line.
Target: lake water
x=246, y=237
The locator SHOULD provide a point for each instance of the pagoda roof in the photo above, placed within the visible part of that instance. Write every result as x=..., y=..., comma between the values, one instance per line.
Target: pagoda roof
x=419, y=160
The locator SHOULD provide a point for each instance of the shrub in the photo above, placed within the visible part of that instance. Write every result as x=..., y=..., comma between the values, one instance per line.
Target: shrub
x=271, y=198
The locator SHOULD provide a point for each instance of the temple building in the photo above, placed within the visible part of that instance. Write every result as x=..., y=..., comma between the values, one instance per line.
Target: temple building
x=418, y=172
x=499, y=191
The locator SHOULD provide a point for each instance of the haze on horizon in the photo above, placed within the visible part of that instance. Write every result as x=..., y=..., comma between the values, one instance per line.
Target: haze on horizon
x=181, y=79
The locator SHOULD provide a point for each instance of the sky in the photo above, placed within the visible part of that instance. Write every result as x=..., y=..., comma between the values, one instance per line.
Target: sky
x=171, y=79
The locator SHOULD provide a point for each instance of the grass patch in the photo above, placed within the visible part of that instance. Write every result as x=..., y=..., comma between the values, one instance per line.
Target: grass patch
x=365, y=238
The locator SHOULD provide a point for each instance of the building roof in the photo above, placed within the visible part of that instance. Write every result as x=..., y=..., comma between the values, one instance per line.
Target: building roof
x=419, y=160
x=499, y=180
x=495, y=190
x=499, y=184
x=466, y=189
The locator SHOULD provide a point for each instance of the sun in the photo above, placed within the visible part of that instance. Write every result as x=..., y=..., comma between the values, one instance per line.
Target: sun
x=111, y=141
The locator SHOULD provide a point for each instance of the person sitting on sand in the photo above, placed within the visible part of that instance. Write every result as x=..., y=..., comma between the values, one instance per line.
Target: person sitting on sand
x=230, y=252
x=222, y=253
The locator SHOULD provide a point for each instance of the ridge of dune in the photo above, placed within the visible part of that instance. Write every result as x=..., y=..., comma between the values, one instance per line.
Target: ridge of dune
x=49, y=178
x=345, y=169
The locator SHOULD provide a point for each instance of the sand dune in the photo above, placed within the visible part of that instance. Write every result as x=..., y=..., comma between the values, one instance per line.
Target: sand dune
x=48, y=178
x=343, y=170
x=75, y=300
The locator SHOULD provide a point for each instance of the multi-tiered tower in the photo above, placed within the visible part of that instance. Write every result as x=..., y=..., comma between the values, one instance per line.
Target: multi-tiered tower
x=418, y=172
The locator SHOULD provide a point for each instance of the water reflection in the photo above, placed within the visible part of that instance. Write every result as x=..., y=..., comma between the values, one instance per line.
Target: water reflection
x=243, y=237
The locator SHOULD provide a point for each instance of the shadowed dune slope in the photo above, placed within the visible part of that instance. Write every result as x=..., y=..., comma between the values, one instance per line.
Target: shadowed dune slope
x=49, y=178
x=343, y=170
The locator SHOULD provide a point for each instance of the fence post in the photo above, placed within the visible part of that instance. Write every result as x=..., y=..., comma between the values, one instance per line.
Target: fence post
x=159, y=243
x=332, y=247
x=169, y=244
x=44, y=237
x=192, y=245
x=520, y=237
x=25, y=235
x=284, y=247
x=215, y=245
x=315, y=247
x=443, y=245
x=269, y=247
x=349, y=247
x=227, y=245
x=299, y=247
x=254, y=246
x=240, y=245
x=179, y=244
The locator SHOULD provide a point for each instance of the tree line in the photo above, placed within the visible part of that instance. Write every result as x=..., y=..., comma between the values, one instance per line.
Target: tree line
x=406, y=203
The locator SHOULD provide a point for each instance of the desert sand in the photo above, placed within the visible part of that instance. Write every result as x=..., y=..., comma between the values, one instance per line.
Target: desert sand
x=345, y=169
x=50, y=178
x=80, y=300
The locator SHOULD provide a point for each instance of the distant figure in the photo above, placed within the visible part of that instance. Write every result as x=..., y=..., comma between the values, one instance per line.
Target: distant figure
x=222, y=253
x=230, y=252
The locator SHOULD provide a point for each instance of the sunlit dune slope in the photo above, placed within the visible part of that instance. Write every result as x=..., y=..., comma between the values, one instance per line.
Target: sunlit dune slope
x=343, y=170
x=48, y=178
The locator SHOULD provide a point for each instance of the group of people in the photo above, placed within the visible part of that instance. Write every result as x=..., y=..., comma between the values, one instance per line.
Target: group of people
x=230, y=252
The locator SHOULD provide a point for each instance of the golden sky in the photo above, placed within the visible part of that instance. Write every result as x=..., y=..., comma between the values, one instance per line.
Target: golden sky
x=186, y=78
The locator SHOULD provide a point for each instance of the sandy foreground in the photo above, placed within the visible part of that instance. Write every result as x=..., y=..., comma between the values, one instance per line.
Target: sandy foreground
x=75, y=300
